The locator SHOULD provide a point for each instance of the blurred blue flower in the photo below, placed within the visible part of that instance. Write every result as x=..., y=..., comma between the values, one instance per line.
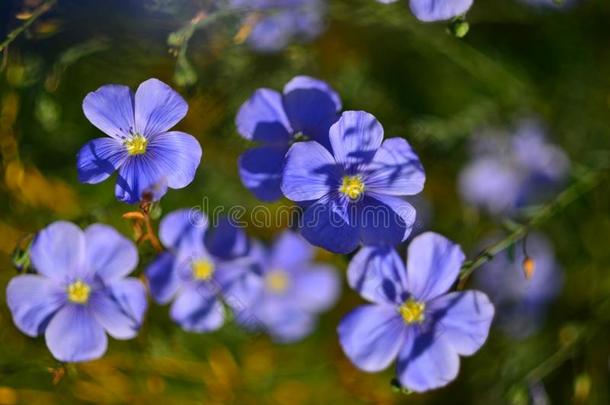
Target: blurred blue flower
x=436, y=10
x=292, y=292
x=81, y=291
x=412, y=317
x=510, y=172
x=190, y=276
x=306, y=110
x=149, y=158
x=274, y=24
x=353, y=193
x=521, y=303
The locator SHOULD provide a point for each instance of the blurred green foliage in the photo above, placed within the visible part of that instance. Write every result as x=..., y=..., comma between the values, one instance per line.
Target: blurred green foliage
x=421, y=82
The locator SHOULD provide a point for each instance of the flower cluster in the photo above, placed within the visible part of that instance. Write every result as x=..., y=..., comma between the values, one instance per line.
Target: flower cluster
x=338, y=168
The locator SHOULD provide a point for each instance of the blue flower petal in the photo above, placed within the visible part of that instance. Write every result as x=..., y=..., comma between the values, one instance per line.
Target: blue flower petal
x=433, y=265
x=316, y=288
x=310, y=172
x=120, y=308
x=163, y=278
x=395, y=170
x=289, y=251
x=32, y=301
x=175, y=154
x=75, y=335
x=157, y=108
x=262, y=118
x=226, y=240
x=294, y=325
x=58, y=252
x=98, y=159
x=372, y=335
x=384, y=219
x=378, y=274
x=110, y=109
x=439, y=10
x=109, y=254
x=184, y=229
x=272, y=33
x=260, y=170
x=140, y=178
x=329, y=224
x=427, y=361
x=355, y=138
x=464, y=319
x=312, y=106
x=197, y=310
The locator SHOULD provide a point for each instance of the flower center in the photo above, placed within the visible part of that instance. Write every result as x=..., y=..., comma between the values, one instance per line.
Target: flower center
x=277, y=281
x=203, y=269
x=352, y=186
x=412, y=311
x=78, y=292
x=136, y=145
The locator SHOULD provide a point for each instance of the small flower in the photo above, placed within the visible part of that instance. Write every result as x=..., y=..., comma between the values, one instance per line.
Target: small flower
x=294, y=290
x=353, y=193
x=522, y=303
x=149, y=158
x=274, y=24
x=412, y=316
x=439, y=10
x=81, y=291
x=306, y=110
x=190, y=276
x=509, y=172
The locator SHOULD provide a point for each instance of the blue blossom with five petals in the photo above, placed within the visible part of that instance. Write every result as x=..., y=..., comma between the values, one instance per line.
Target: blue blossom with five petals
x=148, y=156
x=413, y=317
x=80, y=292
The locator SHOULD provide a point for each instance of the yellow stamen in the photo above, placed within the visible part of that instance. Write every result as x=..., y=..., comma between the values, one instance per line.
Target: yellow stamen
x=203, y=269
x=136, y=145
x=352, y=186
x=277, y=281
x=78, y=292
x=412, y=311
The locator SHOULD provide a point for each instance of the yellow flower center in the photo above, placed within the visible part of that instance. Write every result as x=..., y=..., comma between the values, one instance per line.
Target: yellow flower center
x=203, y=269
x=412, y=311
x=78, y=292
x=352, y=186
x=277, y=281
x=136, y=145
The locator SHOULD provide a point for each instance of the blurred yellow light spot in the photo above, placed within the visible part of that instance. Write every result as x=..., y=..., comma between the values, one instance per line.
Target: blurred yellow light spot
x=203, y=269
x=412, y=311
x=136, y=145
x=352, y=186
x=529, y=266
x=8, y=396
x=277, y=281
x=78, y=292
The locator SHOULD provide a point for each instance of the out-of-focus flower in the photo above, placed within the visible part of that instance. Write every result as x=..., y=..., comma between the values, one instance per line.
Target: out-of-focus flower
x=190, y=276
x=412, y=317
x=149, y=158
x=274, y=24
x=509, y=172
x=294, y=290
x=521, y=303
x=306, y=110
x=353, y=194
x=81, y=291
x=436, y=10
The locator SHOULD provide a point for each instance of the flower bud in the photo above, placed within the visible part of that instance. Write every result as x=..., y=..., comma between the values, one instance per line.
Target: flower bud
x=529, y=266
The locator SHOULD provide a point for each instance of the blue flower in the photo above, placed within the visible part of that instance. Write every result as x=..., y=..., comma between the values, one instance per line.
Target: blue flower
x=292, y=292
x=353, y=193
x=412, y=316
x=276, y=23
x=148, y=157
x=439, y=10
x=509, y=172
x=306, y=109
x=81, y=291
x=521, y=303
x=190, y=276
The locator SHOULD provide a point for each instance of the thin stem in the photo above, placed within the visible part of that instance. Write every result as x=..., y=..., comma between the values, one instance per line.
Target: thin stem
x=142, y=226
x=585, y=183
x=43, y=8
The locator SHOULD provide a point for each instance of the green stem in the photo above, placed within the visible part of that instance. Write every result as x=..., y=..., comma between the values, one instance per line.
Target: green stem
x=43, y=8
x=585, y=183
